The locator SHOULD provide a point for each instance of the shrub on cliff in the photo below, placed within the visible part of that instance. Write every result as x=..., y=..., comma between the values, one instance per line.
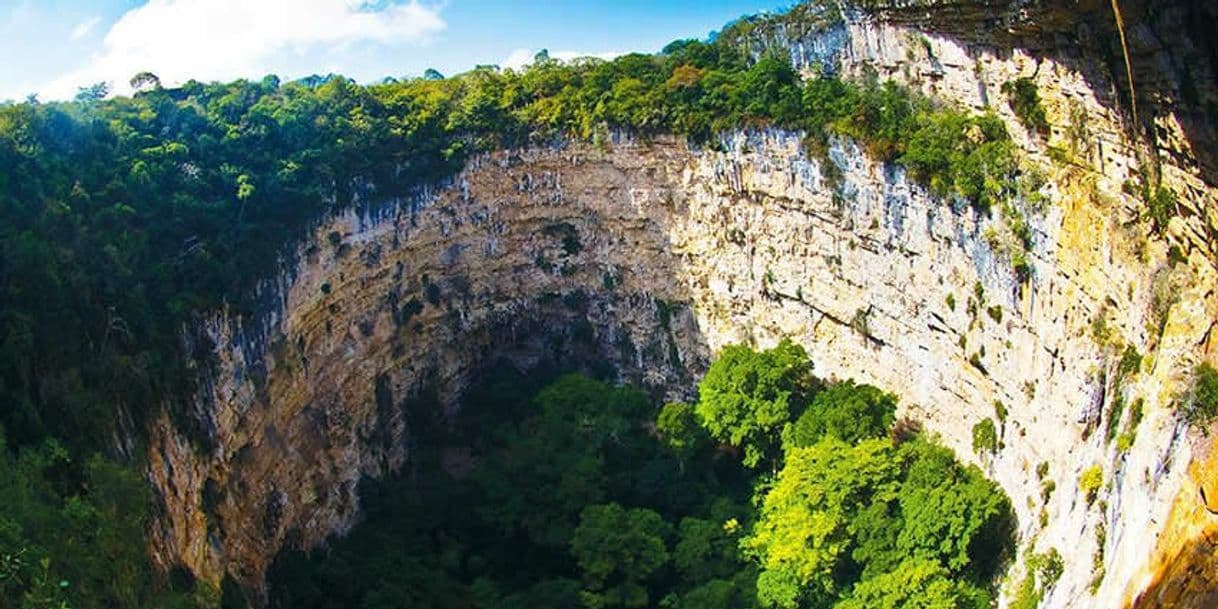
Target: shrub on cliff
x=958, y=154
x=1024, y=99
x=1090, y=481
x=1199, y=405
x=985, y=438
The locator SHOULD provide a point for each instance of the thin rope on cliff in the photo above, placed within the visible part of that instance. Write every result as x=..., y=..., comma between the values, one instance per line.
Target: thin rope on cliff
x=1133, y=98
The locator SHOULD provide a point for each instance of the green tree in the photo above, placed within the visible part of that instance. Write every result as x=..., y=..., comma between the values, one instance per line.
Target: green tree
x=704, y=550
x=558, y=461
x=748, y=397
x=950, y=513
x=916, y=584
x=145, y=81
x=985, y=438
x=1200, y=403
x=846, y=411
x=92, y=93
x=803, y=530
x=1090, y=481
x=618, y=549
x=1024, y=99
x=679, y=429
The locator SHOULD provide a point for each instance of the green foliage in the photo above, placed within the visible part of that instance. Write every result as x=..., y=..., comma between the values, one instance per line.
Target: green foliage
x=1199, y=405
x=1127, y=366
x=995, y=313
x=873, y=505
x=679, y=428
x=1043, y=570
x=846, y=411
x=1124, y=442
x=951, y=512
x=735, y=593
x=1027, y=595
x=1130, y=362
x=1048, y=566
x=1090, y=481
x=985, y=437
x=802, y=532
x=1024, y=99
x=1161, y=203
x=1097, y=558
x=970, y=157
x=747, y=397
x=705, y=548
x=577, y=499
x=916, y=583
x=60, y=547
x=1000, y=411
x=618, y=550
x=1126, y=439
x=1161, y=206
x=859, y=323
x=549, y=469
x=92, y=93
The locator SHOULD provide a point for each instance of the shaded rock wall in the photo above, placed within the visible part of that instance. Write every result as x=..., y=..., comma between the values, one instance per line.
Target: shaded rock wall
x=528, y=256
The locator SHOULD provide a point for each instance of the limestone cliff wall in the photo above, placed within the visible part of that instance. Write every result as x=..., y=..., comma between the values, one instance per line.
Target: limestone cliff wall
x=528, y=256
x=750, y=244
x=653, y=254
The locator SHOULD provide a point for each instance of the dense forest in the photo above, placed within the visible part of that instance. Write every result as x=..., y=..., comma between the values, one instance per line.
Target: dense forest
x=127, y=218
x=774, y=490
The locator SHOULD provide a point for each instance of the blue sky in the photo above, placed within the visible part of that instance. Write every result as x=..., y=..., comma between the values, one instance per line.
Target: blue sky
x=54, y=46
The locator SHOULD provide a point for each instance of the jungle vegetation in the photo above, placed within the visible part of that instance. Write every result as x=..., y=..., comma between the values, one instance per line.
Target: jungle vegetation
x=775, y=489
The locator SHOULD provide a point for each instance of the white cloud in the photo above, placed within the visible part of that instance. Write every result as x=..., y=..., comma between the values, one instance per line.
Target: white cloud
x=522, y=57
x=83, y=28
x=226, y=39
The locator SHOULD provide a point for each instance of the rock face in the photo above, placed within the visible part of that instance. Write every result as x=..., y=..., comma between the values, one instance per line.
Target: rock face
x=542, y=254
x=652, y=255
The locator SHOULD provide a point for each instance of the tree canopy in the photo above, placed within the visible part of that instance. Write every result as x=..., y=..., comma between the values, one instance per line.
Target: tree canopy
x=845, y=411
x=747, y=397
x=842, y=521
x=588, y=495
